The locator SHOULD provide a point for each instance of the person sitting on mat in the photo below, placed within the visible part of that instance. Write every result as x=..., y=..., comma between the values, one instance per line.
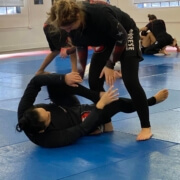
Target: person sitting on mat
x=54, y=125
x=158, y=28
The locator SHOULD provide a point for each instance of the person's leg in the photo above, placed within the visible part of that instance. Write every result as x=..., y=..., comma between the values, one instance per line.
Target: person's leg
x=98, y=61
x=130, y=67
x=162, y=40
x=174, y=44
x=153, y=49
x=97, y=117
x=126, y=105
x=59, y=94
x=61, y=98
x=145, y=41
x=151, y=37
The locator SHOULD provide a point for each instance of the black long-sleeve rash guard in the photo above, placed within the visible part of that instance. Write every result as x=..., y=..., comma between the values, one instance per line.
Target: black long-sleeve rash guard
x=66, y=126
x=104, y=25
x=156, y=27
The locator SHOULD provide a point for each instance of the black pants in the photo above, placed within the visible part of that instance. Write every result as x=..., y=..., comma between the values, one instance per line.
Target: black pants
x=96, y=116
x=65, y=95
x=129, y=67
x=162, y=40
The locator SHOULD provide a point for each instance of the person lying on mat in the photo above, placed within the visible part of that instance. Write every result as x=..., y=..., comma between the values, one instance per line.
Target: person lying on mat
x=55, y=125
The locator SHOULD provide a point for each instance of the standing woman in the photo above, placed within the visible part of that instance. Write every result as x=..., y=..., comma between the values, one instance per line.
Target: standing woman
x=117, y=35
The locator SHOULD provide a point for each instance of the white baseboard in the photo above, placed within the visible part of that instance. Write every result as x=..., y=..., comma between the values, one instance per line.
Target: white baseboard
x=19, y=47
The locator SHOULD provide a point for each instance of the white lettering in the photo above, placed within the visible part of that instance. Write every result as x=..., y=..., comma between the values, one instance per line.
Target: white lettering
x=130, y=41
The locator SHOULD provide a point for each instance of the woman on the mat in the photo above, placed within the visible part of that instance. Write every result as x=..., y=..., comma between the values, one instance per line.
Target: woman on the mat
x=54, y=124
x=118, y=37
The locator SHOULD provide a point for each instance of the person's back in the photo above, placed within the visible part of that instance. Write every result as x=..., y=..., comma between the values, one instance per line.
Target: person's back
x=99, y=27
x=55, y=39
x=157, y=27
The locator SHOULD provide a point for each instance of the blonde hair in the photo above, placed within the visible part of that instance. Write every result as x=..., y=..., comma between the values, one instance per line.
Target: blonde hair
x=65, y=12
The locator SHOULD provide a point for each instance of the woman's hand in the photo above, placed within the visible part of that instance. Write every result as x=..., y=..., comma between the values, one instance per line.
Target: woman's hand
x=41, y=72
x=107, y=97
x=72, y=79
x=63, y=53
x=109, y=75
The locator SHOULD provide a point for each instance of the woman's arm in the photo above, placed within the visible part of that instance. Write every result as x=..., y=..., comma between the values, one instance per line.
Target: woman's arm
x=82, y=53
x=49, y=58
x=33, y=89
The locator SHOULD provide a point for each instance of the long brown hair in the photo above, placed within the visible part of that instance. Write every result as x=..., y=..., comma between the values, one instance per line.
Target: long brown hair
x=65, y=12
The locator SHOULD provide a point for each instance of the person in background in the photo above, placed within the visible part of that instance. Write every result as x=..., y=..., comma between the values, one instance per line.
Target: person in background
x=158, y=28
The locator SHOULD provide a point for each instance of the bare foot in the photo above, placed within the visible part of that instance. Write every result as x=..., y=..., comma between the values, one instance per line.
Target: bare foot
x=108, y=127
x=144, y=134
x=96, y=132
x=177, y=47
x=161, y=95
x=174, y=43
x=163, y=51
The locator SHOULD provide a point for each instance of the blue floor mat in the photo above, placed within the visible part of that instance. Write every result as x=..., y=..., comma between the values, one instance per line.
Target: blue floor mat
x=108, y=156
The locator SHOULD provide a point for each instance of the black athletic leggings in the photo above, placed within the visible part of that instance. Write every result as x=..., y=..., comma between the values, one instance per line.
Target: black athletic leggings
x=96, y=116
x=129, y=68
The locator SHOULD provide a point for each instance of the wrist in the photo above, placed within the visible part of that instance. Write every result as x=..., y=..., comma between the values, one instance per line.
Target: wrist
x=100, y=105
x=41, y=69
x=110, y=64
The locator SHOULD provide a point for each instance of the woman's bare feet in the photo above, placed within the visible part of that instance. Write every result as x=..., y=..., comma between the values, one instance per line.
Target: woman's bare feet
x=161, y=95
x=144, y=134
x=163, y=51
x=108, y=127
x=96, y=132
x=174, y=42
x=177, y=47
